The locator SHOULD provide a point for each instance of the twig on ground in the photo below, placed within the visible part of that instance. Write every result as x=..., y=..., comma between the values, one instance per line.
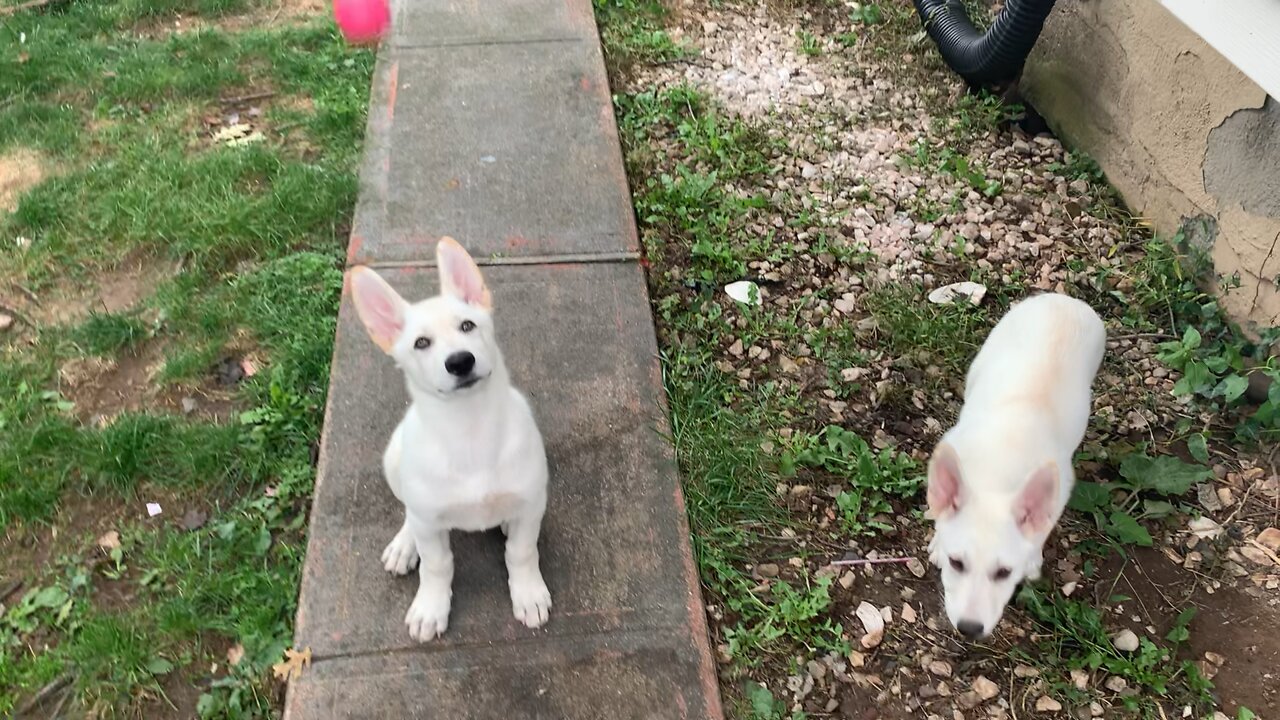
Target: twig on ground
x=45, y=693
x=24, y=6
x=9, y=589
x=17, y=315
x=872, y=561
x=26, y=291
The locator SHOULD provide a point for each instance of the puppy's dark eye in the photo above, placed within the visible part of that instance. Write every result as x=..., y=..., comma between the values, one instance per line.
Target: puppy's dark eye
x=422, y=343
x=1001, y=574
x=467, y=326
x=957, y=565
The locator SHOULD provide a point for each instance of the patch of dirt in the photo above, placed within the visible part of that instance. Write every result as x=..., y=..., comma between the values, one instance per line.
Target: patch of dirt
x=1231, y=624
x=28, y=551
x=20, y=170
x=102, y=388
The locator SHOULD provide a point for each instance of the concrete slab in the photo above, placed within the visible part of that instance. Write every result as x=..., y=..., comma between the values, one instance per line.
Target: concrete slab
x=627, y=632
x=426, y=23
x=512, y=146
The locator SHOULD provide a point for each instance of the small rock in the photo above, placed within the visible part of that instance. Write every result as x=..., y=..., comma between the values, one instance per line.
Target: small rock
x=916, y=567
x=941, y=668
x=1270, y=539
x=1047, y=704
x=847, y=579
x=109, y=541
x=1025, y=671
x=1095, y=709
x=1115, y=683
x=908, y=613
x=194, y=519
x=1255, y=555
x=767, y=570
x=6, y=322
x=873, y=621
x=985, y=688
x=1214, y=658
x=857, y=659
x=1069, y=588
x=1080, y=679
x=1125, y=641
x=969, y=700
x=188, y=405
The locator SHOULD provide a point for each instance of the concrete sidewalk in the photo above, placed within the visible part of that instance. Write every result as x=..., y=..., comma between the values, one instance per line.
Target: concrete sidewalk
x=492, y=122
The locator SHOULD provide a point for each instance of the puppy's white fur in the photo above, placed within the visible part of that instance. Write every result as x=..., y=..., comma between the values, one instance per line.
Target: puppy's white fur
x=468, y=454
x=1000, y=479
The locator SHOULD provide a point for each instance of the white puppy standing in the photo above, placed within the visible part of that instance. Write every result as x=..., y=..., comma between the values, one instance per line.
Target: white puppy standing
x=468, y=454
x=1001, y=477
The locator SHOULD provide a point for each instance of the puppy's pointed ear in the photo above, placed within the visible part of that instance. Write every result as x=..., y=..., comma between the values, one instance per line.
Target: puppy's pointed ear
x=945, y=484
x=459, y=275
x=379, y=306
x=1035, y=507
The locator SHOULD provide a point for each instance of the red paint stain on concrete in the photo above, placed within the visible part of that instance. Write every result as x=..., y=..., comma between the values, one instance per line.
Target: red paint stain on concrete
x=353, y=250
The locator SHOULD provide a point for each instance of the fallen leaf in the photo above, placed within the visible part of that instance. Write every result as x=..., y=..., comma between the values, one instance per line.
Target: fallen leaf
x=232, y=133
x=292, y=664
x=1080, y=679
x=941, y=668
x=235, y=654
x=109, y=541
x=1205, y=528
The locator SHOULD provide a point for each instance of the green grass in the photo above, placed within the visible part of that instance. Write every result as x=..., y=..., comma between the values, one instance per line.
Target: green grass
x=249, y=244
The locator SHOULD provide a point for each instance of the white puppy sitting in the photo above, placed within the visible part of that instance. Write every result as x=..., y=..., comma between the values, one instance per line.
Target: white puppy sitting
x=468, y=454
x=999, y=479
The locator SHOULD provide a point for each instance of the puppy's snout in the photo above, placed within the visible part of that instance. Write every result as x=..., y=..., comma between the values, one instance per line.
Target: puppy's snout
x=460, y=363
x=970, y=629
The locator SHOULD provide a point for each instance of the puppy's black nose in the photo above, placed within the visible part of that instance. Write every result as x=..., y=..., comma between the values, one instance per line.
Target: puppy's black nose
x=460, y=363
x=970, y=629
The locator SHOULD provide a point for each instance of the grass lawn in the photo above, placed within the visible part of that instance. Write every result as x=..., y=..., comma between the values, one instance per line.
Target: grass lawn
x=178, y=178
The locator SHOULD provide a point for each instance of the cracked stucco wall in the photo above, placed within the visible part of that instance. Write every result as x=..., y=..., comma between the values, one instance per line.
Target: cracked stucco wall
x=1185, y=137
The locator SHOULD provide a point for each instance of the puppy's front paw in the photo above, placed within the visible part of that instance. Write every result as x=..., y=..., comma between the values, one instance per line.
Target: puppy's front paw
x=401, y=554
x=428, y=616
x=530, y=600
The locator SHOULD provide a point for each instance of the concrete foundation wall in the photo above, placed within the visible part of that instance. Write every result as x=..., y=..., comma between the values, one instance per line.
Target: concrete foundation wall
x=1186, y=138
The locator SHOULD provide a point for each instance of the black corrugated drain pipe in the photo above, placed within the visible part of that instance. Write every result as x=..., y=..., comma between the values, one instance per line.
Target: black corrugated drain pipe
x=986, y=59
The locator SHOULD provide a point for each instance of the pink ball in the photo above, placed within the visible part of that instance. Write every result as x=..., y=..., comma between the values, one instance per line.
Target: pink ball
x=362, y=21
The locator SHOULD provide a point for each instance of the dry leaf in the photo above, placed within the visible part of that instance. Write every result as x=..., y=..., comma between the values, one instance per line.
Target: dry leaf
x=235, y=654
x=109, y=541
x=292, y=664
